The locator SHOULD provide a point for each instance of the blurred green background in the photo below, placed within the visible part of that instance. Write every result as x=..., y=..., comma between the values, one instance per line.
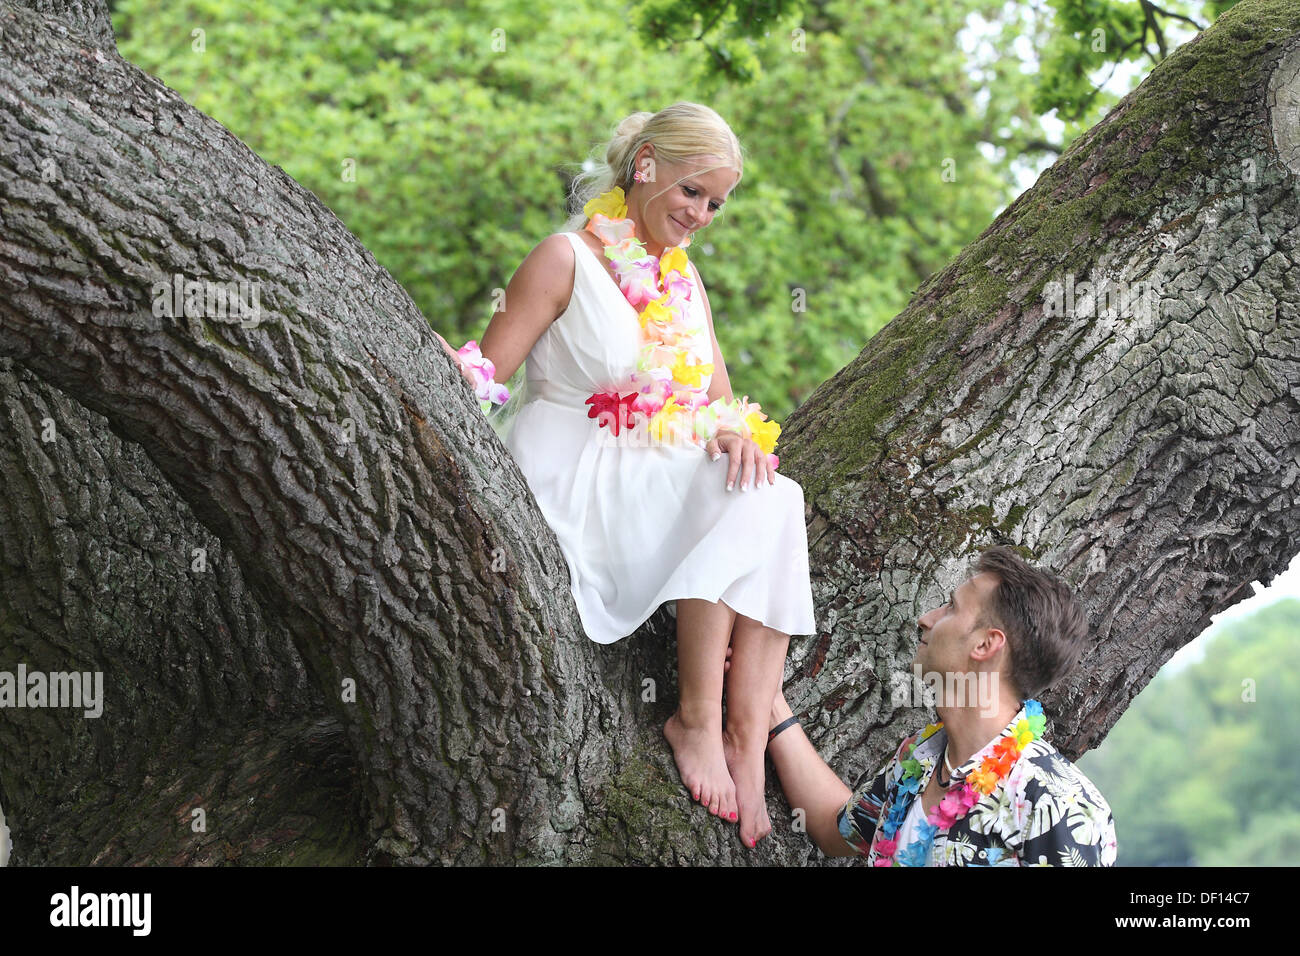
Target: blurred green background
x=1201, y=769
x=460, y=125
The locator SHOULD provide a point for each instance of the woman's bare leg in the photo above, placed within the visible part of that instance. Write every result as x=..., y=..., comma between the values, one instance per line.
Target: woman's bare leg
x=695, y=730
x=757, y=660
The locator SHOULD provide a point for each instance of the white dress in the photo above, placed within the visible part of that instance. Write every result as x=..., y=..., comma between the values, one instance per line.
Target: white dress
x=642, y=524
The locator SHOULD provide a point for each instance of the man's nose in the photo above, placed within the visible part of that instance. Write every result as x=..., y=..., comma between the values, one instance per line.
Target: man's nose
x=926, y=620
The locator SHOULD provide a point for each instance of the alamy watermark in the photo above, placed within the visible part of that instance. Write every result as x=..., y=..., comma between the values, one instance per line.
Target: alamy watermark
x=1096, y=297
x=202, y=298
x=945, y=688
x=53, y=689
x=75, y=908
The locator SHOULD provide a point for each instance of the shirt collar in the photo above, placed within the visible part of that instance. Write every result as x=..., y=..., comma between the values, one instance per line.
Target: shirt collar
x=931, y=748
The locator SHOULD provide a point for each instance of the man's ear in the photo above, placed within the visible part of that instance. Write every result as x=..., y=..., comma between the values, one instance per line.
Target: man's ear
x=990, y=644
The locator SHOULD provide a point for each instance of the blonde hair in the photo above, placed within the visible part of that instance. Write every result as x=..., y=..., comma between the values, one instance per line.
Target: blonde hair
x=679, y=133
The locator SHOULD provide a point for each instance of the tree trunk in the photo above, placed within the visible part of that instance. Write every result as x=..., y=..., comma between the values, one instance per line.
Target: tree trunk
x=380, y=661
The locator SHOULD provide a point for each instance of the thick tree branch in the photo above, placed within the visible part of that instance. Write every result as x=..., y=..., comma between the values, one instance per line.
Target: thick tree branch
x=330, y=445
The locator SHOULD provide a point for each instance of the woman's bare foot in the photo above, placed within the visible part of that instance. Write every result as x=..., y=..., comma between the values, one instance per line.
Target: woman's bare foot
x=745, y=764
x=702, y=764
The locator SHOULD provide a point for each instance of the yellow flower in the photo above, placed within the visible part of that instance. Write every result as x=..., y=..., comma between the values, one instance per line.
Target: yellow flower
x=660, y=422
x=690, y=374
x=1024, y=736
x=674, y=258
x=657, y=312
x=983, y=781
x=613, y=204
x=765, y=433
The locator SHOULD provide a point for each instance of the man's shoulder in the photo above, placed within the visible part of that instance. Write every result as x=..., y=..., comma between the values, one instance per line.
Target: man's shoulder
x=1053, y=774
x=1060, y=816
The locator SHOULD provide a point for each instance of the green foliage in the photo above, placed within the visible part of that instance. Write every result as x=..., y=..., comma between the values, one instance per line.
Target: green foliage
x=1201, y=770
x=445, y=137
x=1089, y=39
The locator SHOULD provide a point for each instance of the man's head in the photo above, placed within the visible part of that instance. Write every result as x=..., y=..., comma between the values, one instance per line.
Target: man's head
x=1009, y=618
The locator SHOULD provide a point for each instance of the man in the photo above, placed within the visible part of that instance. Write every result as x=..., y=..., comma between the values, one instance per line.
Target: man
x=983, y=789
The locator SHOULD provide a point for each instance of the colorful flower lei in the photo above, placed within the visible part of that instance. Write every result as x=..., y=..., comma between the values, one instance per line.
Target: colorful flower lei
x=488, y=391
x=666, y=390
x=955, y=803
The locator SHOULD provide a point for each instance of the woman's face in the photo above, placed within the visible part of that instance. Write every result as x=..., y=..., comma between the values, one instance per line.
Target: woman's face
x=665, y=217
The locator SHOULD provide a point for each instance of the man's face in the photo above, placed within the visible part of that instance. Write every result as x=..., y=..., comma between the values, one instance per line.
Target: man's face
x=950, y=632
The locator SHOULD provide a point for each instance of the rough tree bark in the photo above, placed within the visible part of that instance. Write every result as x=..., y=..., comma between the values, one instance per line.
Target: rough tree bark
x=363, y=528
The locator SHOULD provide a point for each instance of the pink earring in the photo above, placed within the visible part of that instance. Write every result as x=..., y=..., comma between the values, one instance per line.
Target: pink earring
x=641, y=177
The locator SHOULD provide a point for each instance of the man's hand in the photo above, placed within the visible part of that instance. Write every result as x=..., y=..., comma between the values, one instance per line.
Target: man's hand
x=780, y=711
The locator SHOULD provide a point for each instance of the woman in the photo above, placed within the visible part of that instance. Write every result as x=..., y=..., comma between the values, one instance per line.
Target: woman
x=627, y=414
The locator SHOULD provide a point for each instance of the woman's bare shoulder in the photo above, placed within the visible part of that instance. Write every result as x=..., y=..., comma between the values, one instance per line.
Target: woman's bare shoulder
x=554, y=250
x=545, y=280
x=548, y=261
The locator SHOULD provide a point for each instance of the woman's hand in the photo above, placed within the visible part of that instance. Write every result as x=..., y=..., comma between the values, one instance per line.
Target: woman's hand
x=455, y=357
x=745, y=457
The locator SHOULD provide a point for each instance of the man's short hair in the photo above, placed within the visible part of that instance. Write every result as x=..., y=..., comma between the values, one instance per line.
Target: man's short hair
x=1045, y=625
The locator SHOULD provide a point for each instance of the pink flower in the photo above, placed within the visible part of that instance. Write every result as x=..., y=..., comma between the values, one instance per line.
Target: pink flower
x=941, y=816
x=636, y=280
x=610, y=409
x=747, y=407
x=954, y=805
x=678, y=287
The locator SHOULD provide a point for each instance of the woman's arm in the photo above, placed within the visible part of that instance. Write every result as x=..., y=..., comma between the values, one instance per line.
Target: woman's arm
x=748, y=461
x=720, y=384
x=537, y=295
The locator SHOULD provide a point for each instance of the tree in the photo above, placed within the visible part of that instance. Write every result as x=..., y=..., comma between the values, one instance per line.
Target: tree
x=335, y=622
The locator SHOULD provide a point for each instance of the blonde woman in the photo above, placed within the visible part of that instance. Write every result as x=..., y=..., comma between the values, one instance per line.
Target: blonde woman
x=650, y=512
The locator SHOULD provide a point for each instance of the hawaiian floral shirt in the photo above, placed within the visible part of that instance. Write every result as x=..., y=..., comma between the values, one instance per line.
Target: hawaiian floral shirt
x=1044, y=813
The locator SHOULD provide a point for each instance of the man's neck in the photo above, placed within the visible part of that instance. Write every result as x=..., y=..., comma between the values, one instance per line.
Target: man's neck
x=970, y=729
